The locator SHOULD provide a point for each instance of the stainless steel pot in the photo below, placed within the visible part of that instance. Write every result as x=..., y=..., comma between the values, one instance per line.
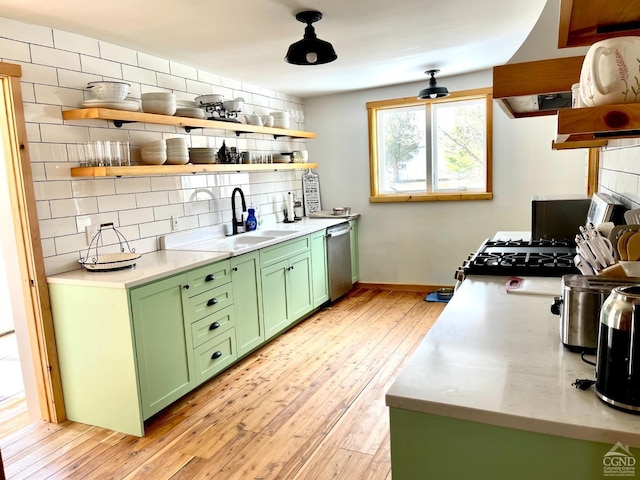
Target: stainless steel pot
x=579, y=309
x=618, y=360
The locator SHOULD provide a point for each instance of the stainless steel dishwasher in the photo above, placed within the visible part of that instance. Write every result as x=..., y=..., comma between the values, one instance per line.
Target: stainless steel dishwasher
x=339, y=260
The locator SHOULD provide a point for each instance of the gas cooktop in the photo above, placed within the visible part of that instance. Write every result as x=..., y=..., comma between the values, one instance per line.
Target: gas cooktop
x=541, y=258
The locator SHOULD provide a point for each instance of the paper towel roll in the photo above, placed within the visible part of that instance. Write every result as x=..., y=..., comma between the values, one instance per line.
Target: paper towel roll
x=290, y=211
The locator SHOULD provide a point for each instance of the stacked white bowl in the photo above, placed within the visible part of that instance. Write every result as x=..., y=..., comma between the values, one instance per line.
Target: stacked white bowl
x=163, y=103
x=280, y=119
x=177, y=151
x=154, y=153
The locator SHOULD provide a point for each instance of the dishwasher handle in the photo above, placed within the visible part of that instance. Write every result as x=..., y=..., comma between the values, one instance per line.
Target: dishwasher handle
x=337, y=232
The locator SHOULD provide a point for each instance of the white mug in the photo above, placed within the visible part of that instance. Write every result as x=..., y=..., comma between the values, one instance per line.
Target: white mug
x=611, y=72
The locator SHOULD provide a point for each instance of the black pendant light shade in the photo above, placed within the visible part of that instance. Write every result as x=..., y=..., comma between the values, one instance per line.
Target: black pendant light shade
x=310, y=50
x=433, y=91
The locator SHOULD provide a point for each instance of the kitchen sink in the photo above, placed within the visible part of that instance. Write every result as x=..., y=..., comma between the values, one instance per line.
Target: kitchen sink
x=246, y=241
x=279, y=233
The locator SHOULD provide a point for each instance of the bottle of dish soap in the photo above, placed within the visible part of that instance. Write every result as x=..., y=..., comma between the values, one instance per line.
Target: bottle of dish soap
x=251, y=222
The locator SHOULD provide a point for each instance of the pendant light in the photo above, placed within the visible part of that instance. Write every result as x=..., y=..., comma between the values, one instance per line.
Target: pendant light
x=433, y=91
x=310, y=50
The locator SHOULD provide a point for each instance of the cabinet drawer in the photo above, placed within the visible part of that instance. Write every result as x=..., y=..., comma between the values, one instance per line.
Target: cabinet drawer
x=212, y=325
x=215, y=355
x=282, y=251
x=203, y=278
x=209, y=302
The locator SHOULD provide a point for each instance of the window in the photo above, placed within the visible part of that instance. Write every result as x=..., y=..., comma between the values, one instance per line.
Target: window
x=439, y=149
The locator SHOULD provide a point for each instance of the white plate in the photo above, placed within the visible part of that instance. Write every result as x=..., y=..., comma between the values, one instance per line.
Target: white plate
x=125, y=105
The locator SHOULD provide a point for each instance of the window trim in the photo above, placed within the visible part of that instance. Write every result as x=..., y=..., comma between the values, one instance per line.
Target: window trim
x=372, y=109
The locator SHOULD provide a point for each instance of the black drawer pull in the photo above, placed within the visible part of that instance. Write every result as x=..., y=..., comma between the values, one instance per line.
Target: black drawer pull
x=210, y=278
x=212, y=301
x=214, y=325
x=215, y=355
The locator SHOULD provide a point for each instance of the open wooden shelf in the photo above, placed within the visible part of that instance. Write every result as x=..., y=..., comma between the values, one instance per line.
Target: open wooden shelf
x=584, y=22
x=120, y=116
x=568, y=142
x=144, y=170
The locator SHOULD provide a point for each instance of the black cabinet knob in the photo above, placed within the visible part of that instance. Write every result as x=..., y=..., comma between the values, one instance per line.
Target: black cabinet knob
x=210, y=278
x=212, y=301
x=186, y=287
x=235, y=269
x=215, y=355
x=214, y=325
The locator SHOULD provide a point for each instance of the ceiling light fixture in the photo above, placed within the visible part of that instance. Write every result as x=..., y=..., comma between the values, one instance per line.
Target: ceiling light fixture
x=433, y=91
x=310, y=50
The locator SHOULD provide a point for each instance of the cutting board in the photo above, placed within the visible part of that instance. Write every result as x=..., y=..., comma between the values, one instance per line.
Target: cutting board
x=548, y=287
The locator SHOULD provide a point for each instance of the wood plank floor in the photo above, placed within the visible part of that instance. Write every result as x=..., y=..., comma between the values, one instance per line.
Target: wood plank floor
x=309, y=405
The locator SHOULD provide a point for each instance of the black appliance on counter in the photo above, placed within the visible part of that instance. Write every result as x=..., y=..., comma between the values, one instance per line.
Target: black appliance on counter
x=538, y=258
x=558, y=217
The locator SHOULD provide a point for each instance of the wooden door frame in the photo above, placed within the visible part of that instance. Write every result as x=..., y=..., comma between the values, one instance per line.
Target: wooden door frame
x=30, y=257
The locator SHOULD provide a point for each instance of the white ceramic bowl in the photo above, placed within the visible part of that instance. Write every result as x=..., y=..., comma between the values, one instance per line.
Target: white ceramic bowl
x=155, y=143
x=233, y=105
x=153, y=159
x=176, y=141
x=109, y=91
x=161, y=107
x=207, y=99
x=177, y=160
x=159, y=96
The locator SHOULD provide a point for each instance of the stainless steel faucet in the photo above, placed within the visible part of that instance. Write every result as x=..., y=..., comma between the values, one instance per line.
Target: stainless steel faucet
x=234, y=221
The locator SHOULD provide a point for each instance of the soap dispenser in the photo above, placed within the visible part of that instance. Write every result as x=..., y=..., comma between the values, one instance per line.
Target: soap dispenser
x=251, y=222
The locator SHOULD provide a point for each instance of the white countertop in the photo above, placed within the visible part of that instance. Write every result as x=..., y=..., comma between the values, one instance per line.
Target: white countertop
x=496, y=358
x=184, y=255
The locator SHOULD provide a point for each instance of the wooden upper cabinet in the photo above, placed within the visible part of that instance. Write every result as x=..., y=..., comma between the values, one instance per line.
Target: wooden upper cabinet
x=584, y=22
x=536, y=88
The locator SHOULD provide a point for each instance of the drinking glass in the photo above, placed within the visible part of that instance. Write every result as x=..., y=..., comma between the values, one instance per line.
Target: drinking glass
x=116, y=154
x=125, y=154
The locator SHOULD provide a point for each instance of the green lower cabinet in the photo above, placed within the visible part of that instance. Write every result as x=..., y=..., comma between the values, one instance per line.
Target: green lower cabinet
x=319, y=273
x=286, y=292
x=247, y=295
x=274, y=298
x=163, y=348
x=428, y=447
x=215, y=355
x=355, y=265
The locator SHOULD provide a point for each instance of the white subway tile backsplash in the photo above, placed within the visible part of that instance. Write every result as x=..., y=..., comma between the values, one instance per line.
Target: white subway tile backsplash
x=77, y=80
x=75, y=43
x=92, y=188
x=152, y=199
x=99, y=66
x=39, y=74
x=132, y=185
x=168, y=211
x=51, y=190
x=136, y=216
x=140, y=75
x=230, y=83
x=63, y=133
x=83, y=221
x=209, y=78
x=26, y=32
x=38, y=172
x=43, y=209
x=42, y=113
x=55, y=58
x=119, y=54
x=48, y=152
x=111, y=203
x=57, y=171
x=180, y=70
x=48, y=247
x=165, y=183
x=153, y=63
x=70, y=207
x=56, y=227
x=33, y=132
x=28, y=94
x=196, y=88
x=71, y=243
x=12, y=50
x=171, y=82
x=152, y=229
x=59, y=95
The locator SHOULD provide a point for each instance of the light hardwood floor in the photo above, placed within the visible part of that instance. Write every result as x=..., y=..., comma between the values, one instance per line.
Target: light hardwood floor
x=309, y=405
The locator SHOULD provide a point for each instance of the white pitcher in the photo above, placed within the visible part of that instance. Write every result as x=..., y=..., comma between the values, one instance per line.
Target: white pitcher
x=611, y=72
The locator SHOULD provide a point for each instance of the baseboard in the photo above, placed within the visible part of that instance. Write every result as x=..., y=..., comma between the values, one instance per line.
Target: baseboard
x=401, y=287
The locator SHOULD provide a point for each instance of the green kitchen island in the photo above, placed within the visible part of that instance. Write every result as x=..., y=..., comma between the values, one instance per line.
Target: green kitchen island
x=488, y=395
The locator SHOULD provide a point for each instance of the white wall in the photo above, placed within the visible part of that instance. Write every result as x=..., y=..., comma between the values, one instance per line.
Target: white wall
x=423, y=243
x=56, y=67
